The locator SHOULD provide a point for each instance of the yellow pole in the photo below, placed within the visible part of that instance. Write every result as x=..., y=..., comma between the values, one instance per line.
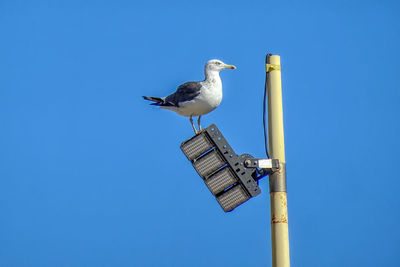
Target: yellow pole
x=277, y=180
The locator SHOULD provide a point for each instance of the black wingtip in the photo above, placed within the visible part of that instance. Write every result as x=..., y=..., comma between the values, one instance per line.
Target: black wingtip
x=149, y=98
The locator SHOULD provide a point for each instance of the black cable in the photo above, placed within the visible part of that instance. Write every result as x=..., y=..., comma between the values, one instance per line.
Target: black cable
x=264, y=109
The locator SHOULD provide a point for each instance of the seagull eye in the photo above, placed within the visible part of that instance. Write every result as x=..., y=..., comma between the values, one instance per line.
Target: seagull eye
x=218, y=63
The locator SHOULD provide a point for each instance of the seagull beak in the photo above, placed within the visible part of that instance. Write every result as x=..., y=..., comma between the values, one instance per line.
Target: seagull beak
x=230, y=67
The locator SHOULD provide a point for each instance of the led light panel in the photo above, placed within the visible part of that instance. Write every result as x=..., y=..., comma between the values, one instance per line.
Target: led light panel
x=208, y=163
x=196, y=146
x=233, y=198
x=221, y=180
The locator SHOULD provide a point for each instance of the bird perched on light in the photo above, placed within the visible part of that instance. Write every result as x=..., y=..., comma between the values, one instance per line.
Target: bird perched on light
x=196, y=98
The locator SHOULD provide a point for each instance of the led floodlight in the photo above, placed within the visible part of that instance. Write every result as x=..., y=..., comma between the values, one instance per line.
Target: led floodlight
x=223, y=171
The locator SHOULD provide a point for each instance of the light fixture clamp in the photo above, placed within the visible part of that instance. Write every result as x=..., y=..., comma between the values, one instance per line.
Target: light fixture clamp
x=270, y=165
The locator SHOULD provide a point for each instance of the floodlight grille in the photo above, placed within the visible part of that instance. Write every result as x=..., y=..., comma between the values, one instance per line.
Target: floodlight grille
x=208, y=163
x=233, y=198
x=221, y=180
x=196, y=146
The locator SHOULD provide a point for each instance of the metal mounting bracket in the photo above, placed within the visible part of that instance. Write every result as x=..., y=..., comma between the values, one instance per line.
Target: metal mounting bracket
x=270, y=164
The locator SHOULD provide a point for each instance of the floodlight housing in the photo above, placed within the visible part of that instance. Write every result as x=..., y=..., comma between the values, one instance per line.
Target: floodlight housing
x=208, y=163
x=220, y=180
x=196, y=146
x=233, y=198
x=223, y=171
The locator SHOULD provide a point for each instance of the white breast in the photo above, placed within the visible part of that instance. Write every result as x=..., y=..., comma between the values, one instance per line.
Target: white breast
x=209, y=98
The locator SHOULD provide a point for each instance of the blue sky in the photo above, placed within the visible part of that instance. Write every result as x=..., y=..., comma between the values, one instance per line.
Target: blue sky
x=91, y=175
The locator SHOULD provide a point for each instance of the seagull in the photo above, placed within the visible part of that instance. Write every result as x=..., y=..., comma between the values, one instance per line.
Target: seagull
x=196, y=98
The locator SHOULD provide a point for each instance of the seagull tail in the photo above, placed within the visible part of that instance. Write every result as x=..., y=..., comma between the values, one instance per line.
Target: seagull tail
x=158, y=101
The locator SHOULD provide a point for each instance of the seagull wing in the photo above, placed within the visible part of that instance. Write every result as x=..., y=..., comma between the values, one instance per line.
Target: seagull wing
x=185, y=92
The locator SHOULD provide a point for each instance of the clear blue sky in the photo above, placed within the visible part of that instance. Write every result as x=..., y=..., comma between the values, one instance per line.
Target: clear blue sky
x=91, y=175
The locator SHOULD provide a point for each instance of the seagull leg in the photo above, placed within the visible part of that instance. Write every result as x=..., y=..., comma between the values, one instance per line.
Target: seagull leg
x=198, y=122
x=194, y=128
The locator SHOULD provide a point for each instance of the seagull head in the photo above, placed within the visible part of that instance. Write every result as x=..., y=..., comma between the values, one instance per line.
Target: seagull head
x=217, y=65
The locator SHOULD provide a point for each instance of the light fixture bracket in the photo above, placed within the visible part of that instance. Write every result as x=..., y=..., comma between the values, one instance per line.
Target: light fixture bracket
x=271, y=165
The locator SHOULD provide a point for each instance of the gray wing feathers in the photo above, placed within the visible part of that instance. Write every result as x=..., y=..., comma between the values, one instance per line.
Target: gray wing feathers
x=185, y=92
